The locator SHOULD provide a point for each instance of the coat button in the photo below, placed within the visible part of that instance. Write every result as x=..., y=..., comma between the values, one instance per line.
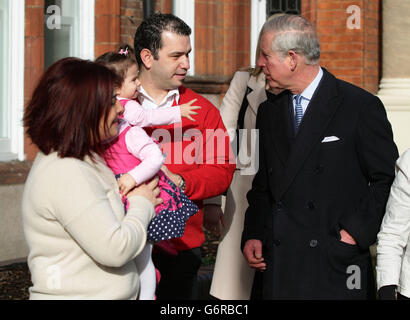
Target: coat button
x=313, y=243
x=276, y=242
x=270, y=171
x=311, y=205
x=319, y=169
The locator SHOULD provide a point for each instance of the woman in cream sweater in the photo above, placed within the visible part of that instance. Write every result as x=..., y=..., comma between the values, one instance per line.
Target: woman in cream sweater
x=393, y=245
x=81, y=243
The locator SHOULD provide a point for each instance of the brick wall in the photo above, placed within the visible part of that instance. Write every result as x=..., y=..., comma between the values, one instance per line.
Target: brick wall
x=350, y=54
x=117, y=20
x=131, y=17
x=107, y=26
x=163, y=6
x=222, y=36
x=34, y=57
x=222, y=42
x=372, y=45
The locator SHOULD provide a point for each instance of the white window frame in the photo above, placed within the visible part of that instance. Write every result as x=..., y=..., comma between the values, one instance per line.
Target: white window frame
x=258, y=18
x=185, y=9
x=15, y=85
x=86, y=40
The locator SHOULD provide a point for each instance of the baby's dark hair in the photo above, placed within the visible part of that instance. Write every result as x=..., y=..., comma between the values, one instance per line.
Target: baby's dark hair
x=118, y=61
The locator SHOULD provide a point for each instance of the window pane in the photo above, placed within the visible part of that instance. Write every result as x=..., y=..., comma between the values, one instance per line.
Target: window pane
x=57, y=42
x=59, y=30
x=283, y=6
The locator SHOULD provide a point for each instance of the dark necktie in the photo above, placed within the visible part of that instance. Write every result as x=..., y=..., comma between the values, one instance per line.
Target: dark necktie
x=298, y=111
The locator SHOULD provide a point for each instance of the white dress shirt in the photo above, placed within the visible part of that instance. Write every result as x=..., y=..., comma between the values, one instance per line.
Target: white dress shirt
x=149, y=103
x=308, y=92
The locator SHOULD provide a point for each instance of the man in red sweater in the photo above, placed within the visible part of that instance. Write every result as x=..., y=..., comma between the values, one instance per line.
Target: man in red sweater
x=198, y=155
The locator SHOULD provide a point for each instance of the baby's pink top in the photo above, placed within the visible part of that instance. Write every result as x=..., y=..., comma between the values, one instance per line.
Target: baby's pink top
x=136, y=115
x=135, y=153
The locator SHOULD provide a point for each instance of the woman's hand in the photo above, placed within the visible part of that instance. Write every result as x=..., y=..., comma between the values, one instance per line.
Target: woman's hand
x=148, y=190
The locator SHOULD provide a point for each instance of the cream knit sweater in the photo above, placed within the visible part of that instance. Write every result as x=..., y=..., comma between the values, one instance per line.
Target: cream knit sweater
x=81, y=245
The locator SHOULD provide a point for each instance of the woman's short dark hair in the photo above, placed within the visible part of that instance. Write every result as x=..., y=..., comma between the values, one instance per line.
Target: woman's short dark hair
x=149, y=32
x=66, y=107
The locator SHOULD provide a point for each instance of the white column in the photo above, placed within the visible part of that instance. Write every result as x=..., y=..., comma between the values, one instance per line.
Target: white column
x=86, y=29
x=395, y=83
x=185, y=10
x=258, y=18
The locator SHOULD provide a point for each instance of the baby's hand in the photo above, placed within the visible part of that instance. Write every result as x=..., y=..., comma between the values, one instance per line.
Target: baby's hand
x=126, y=182
x=187, y=109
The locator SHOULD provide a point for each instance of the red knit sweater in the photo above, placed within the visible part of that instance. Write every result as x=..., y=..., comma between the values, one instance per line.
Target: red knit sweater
x=200, y=152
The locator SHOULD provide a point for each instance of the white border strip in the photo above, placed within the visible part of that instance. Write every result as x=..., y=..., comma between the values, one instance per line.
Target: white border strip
x=185, y=9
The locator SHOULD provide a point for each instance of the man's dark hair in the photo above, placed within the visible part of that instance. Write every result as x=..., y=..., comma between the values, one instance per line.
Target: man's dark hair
x=149, y=32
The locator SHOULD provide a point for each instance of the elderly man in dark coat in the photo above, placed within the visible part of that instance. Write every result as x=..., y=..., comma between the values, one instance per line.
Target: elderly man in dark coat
x=326, y=165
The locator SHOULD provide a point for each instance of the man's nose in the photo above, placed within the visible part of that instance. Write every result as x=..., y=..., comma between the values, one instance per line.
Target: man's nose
x=185, y=62
x=261, y=62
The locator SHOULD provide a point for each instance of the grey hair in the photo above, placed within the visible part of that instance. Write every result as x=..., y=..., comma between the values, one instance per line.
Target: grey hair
x=292, y=32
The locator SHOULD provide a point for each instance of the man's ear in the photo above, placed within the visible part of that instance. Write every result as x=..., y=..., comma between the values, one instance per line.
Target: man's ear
x=147, y=58
x=292, y=60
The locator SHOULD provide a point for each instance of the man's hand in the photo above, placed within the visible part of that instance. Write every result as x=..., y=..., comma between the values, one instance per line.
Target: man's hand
x=175, y=178
x=253, y=254
x=213, y=218
x=346, y=237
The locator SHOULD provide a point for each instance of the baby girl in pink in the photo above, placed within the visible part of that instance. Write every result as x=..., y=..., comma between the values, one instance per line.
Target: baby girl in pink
x=134, y=157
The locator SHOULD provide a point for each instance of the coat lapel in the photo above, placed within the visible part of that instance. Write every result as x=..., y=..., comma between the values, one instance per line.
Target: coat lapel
x=319, y=113
x=258, y=93
x=282, y=127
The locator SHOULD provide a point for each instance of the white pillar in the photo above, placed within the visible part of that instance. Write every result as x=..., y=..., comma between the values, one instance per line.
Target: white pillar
x=395, y=83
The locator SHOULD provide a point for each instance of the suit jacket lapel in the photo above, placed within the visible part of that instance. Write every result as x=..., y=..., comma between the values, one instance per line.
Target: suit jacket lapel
x=319, y=113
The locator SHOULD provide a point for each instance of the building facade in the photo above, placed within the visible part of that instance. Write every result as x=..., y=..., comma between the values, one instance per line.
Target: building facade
x=362, y=41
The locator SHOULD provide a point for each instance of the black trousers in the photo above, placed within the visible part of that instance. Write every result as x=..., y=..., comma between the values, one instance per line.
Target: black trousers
x=178, y=274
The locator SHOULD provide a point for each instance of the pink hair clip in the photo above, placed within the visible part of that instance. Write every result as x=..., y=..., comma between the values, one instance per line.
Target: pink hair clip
x=124, y=52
